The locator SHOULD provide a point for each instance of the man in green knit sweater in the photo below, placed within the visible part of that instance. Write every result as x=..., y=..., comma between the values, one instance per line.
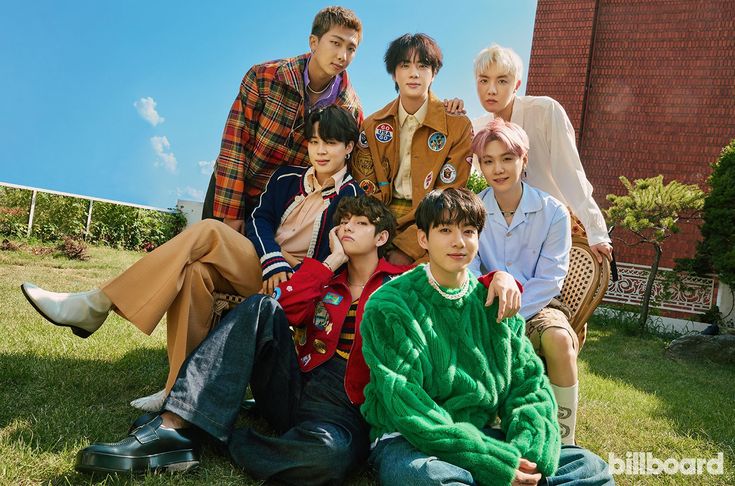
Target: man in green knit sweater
x=442, y=371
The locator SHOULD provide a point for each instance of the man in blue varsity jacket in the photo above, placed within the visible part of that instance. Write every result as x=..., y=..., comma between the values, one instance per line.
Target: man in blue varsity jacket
x=293, y=217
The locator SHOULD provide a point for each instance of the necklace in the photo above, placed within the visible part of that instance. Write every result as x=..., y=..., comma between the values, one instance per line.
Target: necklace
x=357, y=285
x=455, y=296
x=507, y=213
x=308, y=86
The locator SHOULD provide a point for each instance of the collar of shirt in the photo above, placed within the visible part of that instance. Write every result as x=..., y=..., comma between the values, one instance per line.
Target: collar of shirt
x=516, y=113
x=328, y=96
x=420, y=114
x=530, y=203
x=311, y=184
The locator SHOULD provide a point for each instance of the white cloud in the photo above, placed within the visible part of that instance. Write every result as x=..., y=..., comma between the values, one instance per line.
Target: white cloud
x=206, y=166
x=195, y=194
x=166, y=159
x=147, y=110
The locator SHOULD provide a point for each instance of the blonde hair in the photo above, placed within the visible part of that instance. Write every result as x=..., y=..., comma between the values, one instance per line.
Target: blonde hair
x=505, y=57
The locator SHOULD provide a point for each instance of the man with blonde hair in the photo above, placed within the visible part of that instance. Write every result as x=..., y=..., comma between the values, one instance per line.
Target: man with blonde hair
x=553, y=161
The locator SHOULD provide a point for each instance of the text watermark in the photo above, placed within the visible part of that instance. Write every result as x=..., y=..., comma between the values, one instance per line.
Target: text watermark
x=644, y=464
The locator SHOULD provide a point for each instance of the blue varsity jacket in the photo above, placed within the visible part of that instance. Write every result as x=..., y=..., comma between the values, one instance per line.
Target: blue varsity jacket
x=283, y=193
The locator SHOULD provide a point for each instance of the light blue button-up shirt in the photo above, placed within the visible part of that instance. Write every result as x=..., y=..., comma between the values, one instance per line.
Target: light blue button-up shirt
x=534, y=248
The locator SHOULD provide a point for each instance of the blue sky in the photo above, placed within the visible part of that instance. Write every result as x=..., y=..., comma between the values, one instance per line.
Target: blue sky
x=79, y=80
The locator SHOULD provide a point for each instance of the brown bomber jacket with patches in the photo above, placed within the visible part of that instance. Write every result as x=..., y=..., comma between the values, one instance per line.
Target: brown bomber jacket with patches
x=440, y=157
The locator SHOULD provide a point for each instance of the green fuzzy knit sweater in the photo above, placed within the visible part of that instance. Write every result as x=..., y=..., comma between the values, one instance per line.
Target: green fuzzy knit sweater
x=441, y=370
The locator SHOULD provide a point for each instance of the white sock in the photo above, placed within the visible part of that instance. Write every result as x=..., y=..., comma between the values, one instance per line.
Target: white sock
x=567, y=397
x=151, y=403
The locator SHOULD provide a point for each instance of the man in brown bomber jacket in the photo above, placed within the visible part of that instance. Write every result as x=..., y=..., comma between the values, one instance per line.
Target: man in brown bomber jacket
x=412, y=145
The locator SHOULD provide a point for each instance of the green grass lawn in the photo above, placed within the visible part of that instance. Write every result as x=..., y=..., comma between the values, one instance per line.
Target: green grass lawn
x=59, y=392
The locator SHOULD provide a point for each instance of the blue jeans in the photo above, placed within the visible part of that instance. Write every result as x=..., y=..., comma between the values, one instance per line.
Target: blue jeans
x=398, y=462
x=322, y=435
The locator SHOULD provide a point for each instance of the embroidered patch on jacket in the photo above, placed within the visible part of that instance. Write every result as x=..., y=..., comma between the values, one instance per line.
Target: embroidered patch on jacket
x=362, y=140
x=428, y=179
x=437, y=141
x=332, y=298
x=384, y=133
x=364, y=163
x=321, y=317
x=305, y=360
x=368, y=186
x=448, y=173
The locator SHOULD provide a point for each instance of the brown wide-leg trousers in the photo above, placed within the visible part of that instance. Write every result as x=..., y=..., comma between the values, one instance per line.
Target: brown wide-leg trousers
x=179, y=278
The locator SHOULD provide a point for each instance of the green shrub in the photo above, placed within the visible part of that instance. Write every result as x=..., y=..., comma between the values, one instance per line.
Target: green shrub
x=716, y=251
x=14, y=207
x=476, y=182
x=57, y=217
x=133, y=228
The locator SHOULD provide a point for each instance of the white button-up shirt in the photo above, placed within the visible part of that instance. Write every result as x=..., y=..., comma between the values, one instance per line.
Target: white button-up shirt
x=534, y=248
x=553, y=161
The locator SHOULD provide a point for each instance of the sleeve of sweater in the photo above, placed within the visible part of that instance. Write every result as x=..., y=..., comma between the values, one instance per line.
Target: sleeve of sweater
x=396, y=350
x=261, y=228
x=528, y=413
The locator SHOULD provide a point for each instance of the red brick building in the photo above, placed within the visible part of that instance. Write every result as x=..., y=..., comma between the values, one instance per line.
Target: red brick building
x=649, y=87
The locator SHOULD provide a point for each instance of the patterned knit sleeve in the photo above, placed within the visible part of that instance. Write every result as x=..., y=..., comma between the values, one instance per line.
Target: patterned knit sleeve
x=528, y=413
x=395, y=349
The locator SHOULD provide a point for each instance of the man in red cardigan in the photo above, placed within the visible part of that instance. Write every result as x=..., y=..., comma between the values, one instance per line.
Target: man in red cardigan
x=309, y=394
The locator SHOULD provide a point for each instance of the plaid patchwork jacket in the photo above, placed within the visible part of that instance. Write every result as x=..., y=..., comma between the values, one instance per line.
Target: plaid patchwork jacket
x=264, y=131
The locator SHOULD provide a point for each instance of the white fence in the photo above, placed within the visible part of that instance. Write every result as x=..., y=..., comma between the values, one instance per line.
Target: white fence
x=92, y=200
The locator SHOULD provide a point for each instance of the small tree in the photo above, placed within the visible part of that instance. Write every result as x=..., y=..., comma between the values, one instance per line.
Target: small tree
x=651, y=211
x=716, y=251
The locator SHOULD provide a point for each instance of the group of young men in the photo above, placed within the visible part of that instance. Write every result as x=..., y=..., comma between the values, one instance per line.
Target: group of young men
x=358, y=353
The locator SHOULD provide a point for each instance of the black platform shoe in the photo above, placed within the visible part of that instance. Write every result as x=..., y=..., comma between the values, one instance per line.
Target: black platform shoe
x=149, y=447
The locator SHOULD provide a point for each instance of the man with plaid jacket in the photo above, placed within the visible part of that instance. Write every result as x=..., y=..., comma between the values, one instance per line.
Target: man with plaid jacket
x=264, y=127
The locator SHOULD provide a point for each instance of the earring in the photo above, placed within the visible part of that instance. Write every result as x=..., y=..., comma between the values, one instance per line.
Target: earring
x=347, y=157
x=525, y=173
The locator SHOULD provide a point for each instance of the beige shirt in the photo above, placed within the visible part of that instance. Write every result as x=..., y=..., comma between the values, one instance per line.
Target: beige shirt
x=553, y=161
x=297, y=228
x=408, y=125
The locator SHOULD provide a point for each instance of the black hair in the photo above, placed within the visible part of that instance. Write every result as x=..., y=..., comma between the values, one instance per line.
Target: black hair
x=409, y=45
x=450, y=206
x=335, y=123
x=375, y=211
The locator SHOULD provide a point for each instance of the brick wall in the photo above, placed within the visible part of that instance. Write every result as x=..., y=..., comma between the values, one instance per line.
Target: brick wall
x=661, y=96
x=560, y=53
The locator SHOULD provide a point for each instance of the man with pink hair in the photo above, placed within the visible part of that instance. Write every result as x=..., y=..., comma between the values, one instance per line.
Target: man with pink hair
x=553, y=160
x=528, y=235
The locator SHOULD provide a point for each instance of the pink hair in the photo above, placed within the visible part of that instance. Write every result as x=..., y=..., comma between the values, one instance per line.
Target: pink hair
x=511, y=135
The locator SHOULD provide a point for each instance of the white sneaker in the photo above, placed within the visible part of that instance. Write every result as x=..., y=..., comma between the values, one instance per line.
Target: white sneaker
x=83, y=312
x=151, y=403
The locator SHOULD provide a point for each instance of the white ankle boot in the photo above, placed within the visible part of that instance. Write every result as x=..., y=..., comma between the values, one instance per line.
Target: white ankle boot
x=84, y=312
